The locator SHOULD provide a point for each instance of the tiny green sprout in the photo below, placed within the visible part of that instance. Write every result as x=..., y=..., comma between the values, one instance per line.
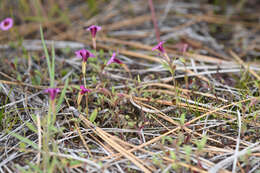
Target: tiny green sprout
x=182, y=119
x=31, y=127
x=201, y=144
x=131, y=124
x=66, y=50
x=22, y=146
x=156, y=160
x=164, y=138
x=245, y=158
x=188, y=151
x=166, y=66
x=74, y=162
x=180, y=139
x=93, y=116
x=256, y=84
x=94, y=79
x=113, y=90
x=240, y=105
x=138, y=78
x=183, y=60
x=173, y=157
x=100, y=163
x=36, y=78
x=101, y=53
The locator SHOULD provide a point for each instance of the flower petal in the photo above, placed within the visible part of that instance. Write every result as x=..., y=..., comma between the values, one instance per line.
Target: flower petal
x=6, y=24
x=159, y=47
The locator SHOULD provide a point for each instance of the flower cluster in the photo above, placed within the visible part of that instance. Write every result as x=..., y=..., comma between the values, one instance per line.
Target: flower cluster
x=84, y=54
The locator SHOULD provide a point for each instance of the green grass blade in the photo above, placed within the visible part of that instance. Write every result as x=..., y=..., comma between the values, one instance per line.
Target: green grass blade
x=31, y=127
x=53, y=63
x=62, y=95
x=47, y=57
x=25, y=140
x=93, y=116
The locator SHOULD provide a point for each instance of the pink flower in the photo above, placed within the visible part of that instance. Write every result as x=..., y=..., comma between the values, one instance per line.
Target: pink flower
x=52, y=92
x=84, y=90
x=184, y=48
x=84, y=54
x=159, y=47
x=113, y=59
x=94, y=29
x=6, y=24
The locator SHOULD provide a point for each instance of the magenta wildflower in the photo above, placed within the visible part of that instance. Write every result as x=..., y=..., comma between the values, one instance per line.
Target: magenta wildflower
x=113, y=59
x=84, y=54
x=84, y=90
x=94, y=29
x=52, y=92
x=6, y=24
x=159, y=47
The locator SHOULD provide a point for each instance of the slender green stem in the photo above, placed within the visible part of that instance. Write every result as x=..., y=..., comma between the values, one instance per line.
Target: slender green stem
x=84, y=64
x=84, y=80
x=46, y=138
x=86, y=97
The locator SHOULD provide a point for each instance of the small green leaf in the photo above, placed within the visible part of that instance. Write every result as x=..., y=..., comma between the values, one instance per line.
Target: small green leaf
x=173, y=155
x=201, y=144
x=25, y=140
x=131, y=123
x=182, y=60
x=94, y=79
x=52, y=64
x=93, y=116
x=182, y=119
x=22, y=146
x=113, y=90
x=138, y=79
x=47, y=56
x=1, y=115
x=187, y=149
x=62, y=95
x=31, y=127
x=74, y=162
x=101, y=53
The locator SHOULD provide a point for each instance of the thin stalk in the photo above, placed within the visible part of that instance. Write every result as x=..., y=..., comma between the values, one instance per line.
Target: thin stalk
x=84, y=64
x=86, y=97
x=53, y=118
x=79, y=98
x=46, y=138
x=94, y=44
x=156, y=28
